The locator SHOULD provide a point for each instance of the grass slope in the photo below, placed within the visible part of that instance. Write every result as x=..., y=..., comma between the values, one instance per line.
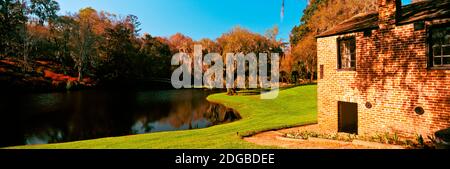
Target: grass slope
x=294, y=106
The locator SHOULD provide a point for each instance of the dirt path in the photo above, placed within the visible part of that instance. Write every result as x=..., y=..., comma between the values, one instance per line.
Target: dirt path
x=274, y=138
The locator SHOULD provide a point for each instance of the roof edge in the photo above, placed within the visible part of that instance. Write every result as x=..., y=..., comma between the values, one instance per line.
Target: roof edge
x=346, y=32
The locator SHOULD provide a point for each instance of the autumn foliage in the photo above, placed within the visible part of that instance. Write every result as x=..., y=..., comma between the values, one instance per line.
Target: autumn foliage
x=319, y=16
x=99, y=45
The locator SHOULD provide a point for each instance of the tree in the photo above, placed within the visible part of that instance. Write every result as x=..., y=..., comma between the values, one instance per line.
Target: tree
x=44, y=10
x=154, y=58
x=272, y=34
x=15, y=14
x=40, y=38
x=181, y=43
x=83, y=38
x=305, y=52
x=209, y=46
x=320, y=16
x=12, y=19
x=242, y=40
x=132, y=22
x=62, y=31
x=119, y=50
x=38, y=12
x=298, y=32
x=334, y=12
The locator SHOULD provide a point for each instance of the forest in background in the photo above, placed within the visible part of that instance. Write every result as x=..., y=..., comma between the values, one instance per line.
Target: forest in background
x=39, y=48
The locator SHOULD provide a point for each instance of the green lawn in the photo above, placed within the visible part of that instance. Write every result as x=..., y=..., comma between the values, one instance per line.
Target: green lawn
x=294, y=106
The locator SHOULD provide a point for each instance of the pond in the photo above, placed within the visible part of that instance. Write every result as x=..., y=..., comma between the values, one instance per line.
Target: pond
x=80, y=115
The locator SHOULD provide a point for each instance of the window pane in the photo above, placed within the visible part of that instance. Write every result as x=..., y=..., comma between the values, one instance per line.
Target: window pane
x=447, y=61
x=437, y=61
x=353, y=59
x=438, y=35
x=437, y=50
x=344, y=51
x=347, y=61
x=341, y=54
x=347, y=49
x=352, y=44
x=446, y=50
x=447, y=38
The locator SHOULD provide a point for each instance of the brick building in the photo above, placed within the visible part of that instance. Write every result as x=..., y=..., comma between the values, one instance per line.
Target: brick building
x=387, y=71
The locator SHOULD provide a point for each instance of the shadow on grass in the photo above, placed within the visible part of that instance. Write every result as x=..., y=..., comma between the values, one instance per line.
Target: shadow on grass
x=252, y=92
x=254, y=132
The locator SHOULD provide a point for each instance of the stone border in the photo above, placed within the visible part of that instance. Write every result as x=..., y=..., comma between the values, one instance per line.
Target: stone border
x=354, y=142
x=323, y=140
x=290, y=139
x=376, y=145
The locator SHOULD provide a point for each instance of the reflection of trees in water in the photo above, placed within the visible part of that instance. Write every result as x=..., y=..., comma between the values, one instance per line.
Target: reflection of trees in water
x=44, y=136
x=187, y=113
x=181, y=109
x=218, y=114
x=187, y=116
x=187, y=110
x=141, y=126
x=213, y=114
x=96, y=114
x=87, y=120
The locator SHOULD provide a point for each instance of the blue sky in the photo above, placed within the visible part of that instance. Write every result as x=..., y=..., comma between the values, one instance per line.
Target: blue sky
x=200, y=18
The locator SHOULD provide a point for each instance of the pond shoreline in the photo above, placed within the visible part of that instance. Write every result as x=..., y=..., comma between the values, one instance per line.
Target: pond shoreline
x=257, y=115
x=60, y=117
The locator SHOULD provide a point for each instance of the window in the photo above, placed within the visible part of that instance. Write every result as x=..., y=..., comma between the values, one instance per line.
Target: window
x=347, y=54
x=440, y=47
x=321, y=71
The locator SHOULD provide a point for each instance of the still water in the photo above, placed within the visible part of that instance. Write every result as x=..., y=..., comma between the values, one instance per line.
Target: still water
x=62, y=117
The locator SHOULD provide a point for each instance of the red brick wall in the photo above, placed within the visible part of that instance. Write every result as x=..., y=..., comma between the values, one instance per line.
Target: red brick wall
x=392, y=75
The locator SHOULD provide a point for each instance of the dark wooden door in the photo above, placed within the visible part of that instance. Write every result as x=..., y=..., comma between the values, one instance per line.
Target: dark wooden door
x=348, y=117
